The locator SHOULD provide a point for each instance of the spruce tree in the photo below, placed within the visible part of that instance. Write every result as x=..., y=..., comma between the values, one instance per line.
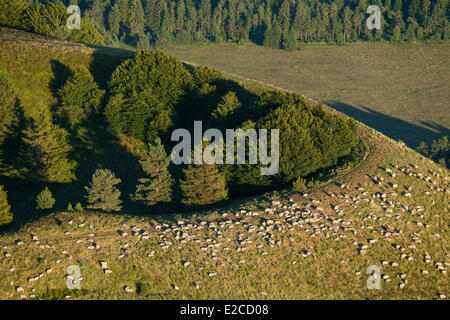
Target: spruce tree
x=157, y=186
x=203, y=185
x=45, y=200
x=45, y=151
x=80, y=96
x=5, y=209
x=102, y=192
x=222, y=116
x=396, y=34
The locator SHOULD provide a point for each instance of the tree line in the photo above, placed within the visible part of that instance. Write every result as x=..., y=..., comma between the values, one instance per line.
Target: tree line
x=147, y=97
x=273, y=23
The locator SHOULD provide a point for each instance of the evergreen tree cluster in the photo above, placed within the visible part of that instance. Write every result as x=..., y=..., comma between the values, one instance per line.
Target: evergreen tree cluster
x=147, y=97
x=274, y=23
x=49, y=19
x=143, y=93
x=80, y=97
x=438, y=150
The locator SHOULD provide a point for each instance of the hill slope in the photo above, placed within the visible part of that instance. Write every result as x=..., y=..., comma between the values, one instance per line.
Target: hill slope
x=391, y=211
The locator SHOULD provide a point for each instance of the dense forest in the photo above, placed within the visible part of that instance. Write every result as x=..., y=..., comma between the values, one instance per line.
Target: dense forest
x=147, y=97
x=272, y=23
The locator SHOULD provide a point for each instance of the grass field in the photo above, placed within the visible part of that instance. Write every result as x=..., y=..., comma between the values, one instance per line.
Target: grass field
x=276, y=246
x=391, y=211
x=401, y=90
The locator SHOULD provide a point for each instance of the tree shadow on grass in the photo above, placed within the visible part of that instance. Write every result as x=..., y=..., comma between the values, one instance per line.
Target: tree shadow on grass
x=60, y=75
x=94, y=147
x=392, y=127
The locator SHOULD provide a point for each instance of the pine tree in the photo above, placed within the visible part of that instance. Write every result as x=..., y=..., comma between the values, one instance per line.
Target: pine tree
x=45, y=200
x=153, y=10
x=80, y=96
x=347, y=22
x=157, y=186
x=180, y=15
x=203, y=185
x=102, y=192
x=205, y=17
x=45, y=150
x=222, y=116
x=284, y=17
x=5, y=209
x=396, y=34
x=136, y=18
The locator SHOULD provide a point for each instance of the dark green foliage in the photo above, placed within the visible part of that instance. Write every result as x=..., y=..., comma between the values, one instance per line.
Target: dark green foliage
x=438, y=151
x=79, y=97
x=9, y=105
x=49, y=19
x=102, y=193
x=45, y=151
x=151, y=94
x=224, y=115
x=5, y=209
x=144, y=91
x=276, y=24
x=156, y=187
x=203, y=185
x=310, y=139
x=60, y=294
x=11, y=12
x=45, y=200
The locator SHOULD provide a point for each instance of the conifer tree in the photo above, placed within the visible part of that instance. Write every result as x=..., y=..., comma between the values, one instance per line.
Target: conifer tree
x=144, y=90
x=136, y=18
x=5, y=209
x=11, y=12
x=102, y=192
x=396, y=34
x=80, y=96
x=203, y=185
x=156, y=187
x=222, y=116
x=45, y=200
x=46, y=149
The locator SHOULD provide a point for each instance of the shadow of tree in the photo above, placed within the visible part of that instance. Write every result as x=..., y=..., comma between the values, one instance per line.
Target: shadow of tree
x=392, y=127
x=94, y=146
x=60, y=75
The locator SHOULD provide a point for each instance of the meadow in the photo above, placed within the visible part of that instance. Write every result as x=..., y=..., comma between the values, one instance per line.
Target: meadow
x=399, y=89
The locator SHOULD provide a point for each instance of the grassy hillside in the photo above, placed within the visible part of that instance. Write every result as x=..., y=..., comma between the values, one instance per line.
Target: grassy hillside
x=398, y=89
x=391, y=211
